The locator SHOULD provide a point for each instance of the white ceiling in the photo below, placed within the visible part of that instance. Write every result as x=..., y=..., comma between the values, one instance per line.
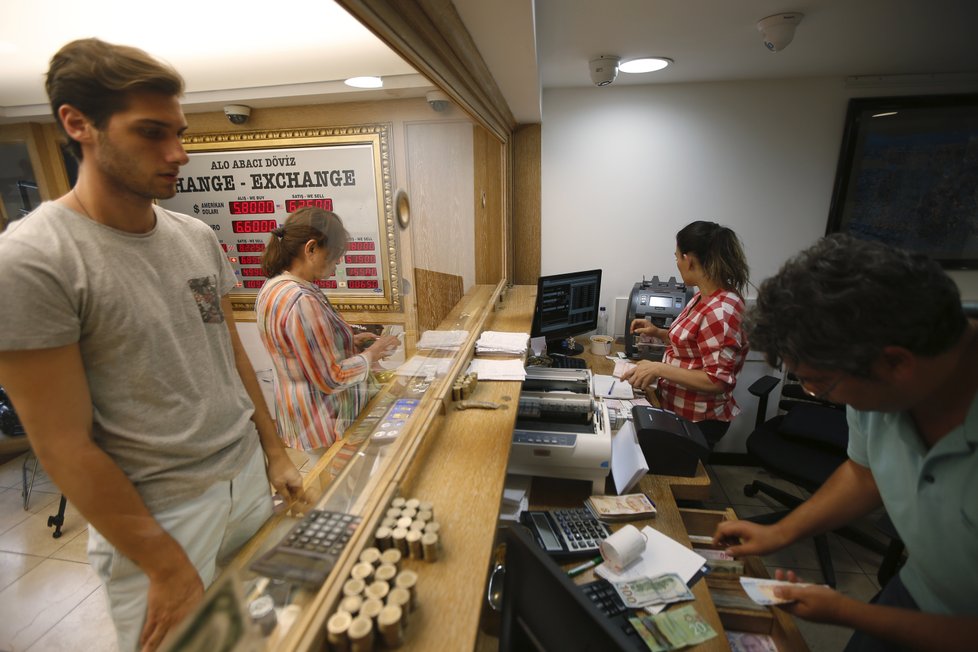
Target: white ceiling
x=247, y=53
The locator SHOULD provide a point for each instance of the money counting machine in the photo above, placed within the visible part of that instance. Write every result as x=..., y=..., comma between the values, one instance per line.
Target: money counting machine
x=561, y=431
x=660, y=302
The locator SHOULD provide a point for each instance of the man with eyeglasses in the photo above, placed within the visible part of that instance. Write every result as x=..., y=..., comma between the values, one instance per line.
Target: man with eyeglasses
x=882, y=331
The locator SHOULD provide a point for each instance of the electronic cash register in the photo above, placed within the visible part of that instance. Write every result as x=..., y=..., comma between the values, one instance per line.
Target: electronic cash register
x=660, y=302
x=561, y=431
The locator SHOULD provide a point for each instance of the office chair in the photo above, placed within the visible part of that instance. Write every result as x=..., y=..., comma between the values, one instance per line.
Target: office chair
x=805, y=445
x=13, y=441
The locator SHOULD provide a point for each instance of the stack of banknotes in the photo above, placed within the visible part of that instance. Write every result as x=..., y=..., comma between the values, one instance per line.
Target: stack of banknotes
x=672, y=630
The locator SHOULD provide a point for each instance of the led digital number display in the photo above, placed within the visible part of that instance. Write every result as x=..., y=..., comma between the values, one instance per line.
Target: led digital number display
x=360, y=245
x=250, y=260
x=253, y=284
x=360, y=259
x=248, y=247
x=329, y=285
x=362, y=285
x=292, y=205
x=259, y=207
x=361, y=271
x=253, y=226
x=252, y=271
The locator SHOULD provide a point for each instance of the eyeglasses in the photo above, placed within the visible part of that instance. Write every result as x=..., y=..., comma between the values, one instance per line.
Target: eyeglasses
x=807, y=387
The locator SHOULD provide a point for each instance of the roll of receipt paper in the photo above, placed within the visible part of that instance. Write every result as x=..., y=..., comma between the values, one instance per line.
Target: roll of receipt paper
x=623, y=547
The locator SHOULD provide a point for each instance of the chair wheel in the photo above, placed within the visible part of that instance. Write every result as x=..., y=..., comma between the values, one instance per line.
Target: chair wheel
x=750, y=490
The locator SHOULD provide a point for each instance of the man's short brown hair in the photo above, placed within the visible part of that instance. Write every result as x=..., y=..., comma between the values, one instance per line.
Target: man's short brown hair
x=97, y=78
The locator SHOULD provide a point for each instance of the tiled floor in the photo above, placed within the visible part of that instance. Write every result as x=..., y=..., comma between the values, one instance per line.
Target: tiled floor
x=51, y=600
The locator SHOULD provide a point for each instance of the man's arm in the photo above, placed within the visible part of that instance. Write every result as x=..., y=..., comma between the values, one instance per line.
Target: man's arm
x=50, y=392
x=849, y=493
x=909, y=628
x=280, y=469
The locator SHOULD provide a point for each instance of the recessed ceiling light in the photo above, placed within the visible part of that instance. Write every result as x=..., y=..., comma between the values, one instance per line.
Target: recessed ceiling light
x=646, y=64
x=365, y=82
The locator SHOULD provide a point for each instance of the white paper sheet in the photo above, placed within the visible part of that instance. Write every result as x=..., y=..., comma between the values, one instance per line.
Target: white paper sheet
x=610, y=387
x=662, y=555
x=628, y=463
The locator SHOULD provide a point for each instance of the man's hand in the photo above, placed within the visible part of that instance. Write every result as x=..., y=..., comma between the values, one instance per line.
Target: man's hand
x=746, y=538
x=642, y=374
x=286, y=480
x=813, y=602
x=171, y=597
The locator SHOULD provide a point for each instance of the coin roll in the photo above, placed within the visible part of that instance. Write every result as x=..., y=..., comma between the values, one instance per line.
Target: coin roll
x=389, y=522
x=412, y=503
x=417, y=524
x=337, y=630
x=399, y=539
x=382, y=538
x=354, y=587
x=361, y=634
x=391, y=556
x=426, y=506
x=371, y=607
x=409, y=512
x=400, y=597
x=351, y=604
x=363, y=571
x=404, y=522
x=414, y=544
x=394, y=512
x=385, y=573
x=378, y=590
x=398, y=502
x=424, y=515
x=370, y=556
x=262, y=612
x=408, y=579
x=390, y=626
x=433, y=526
x=430, y=546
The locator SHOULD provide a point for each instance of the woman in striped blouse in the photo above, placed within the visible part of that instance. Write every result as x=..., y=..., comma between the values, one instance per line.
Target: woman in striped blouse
x=706, y=345
x=320, y=365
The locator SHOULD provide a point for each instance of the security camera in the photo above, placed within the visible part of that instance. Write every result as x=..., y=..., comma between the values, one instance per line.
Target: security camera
x=437, y=100
x=604, y=70
x=237, y=113
x=778, y=30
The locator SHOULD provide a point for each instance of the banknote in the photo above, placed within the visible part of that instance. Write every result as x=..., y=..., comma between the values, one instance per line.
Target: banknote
x=672, y=630
x=750, y=642
x=761, y=591
x=661, y=589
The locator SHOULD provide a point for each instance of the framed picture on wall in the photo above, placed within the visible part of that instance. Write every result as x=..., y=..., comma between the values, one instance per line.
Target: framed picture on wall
x=244, y=185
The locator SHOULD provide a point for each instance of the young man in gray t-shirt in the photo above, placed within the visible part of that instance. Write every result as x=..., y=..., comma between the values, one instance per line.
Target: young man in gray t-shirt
x=119, y=351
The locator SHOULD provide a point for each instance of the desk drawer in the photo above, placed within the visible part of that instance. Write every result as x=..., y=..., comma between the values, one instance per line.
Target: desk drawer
x=737, y=611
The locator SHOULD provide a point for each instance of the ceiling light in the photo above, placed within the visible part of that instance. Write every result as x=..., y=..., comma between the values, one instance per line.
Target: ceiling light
x=645, y=64
x=365, y=82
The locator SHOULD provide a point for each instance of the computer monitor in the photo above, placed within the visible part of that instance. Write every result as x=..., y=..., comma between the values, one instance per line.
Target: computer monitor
x=567, y=305
x=544, y=610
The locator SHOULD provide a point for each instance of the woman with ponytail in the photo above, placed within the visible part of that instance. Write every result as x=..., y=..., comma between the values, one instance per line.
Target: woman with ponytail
x=706, y=346
x=320, y=365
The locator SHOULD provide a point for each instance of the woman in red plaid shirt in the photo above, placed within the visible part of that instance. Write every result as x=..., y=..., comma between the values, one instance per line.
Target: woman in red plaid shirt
x=707, y=348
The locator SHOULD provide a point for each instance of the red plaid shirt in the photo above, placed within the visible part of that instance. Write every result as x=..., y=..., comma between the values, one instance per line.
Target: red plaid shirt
x=707, y=336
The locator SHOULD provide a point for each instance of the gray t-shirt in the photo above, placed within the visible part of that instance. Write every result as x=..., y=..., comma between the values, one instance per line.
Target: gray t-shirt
x=145, y=309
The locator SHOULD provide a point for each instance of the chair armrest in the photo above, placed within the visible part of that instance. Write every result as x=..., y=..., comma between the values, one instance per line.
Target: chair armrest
x=763, y=385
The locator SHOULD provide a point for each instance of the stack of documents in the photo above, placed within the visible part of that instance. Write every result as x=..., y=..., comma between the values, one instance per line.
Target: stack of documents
x=515, y=497
x=502, y=343
x=425, y=367
x=443, y=340
x=498, y=369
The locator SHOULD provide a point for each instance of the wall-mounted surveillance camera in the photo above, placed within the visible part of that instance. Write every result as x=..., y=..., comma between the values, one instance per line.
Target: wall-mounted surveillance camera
x=437, y=100
x=237, y=113
x=778, y=30
x=604, y=69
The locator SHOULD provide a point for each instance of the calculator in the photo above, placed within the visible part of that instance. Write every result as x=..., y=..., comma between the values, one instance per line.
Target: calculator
x=309, y=551
x=566, y=533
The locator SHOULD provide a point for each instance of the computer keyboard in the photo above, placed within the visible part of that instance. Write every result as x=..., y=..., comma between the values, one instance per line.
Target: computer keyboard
x=567, y=362
x=603, y=595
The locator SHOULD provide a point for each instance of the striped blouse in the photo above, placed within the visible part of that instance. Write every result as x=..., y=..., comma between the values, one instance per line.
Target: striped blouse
x=320, y=386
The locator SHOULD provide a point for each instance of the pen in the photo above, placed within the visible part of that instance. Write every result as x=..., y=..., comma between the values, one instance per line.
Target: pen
x=577, y=570
x=612, y=388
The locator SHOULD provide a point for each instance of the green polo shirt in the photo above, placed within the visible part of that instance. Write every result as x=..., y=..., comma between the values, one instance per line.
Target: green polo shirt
x=932, y=498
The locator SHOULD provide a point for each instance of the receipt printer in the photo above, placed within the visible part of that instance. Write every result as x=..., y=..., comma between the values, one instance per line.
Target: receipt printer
x=671, y=445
